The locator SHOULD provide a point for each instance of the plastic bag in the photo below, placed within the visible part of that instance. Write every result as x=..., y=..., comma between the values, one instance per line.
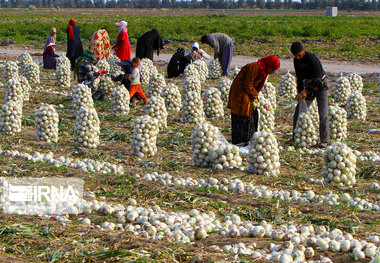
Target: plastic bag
x=222, y=140
x=302, y=107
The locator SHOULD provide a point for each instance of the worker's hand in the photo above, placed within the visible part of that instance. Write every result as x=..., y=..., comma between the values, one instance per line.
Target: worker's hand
x=216, y=56
x=301, y=95
x=266, y=106
x=255, y=103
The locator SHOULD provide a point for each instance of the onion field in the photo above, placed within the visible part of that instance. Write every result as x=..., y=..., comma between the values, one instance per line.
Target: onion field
x=162, y=181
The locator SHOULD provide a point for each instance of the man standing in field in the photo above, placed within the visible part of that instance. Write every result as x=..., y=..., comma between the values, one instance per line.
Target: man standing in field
x=223, y=48
x=311, y=84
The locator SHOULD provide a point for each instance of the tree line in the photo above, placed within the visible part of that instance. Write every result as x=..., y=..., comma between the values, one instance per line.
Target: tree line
x=213, y=4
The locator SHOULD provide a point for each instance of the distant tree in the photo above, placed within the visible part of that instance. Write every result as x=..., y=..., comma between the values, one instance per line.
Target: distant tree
x=260, y=3
x=269, y=4
x=277, y=4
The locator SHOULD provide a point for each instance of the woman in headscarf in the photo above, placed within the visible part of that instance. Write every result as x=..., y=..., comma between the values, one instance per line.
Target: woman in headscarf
x=74, y=43
x=147, y=43
x=100, y=44
x=49, y=57
x=243, y=98
x=122, y=46
x=51, y=37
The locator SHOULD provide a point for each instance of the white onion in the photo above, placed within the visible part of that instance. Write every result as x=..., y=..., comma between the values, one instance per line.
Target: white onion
x=10, y=70
x=339, y=165
x=25, y=88
x=46, y=120
x=155, y=107
x=202, y=68
x=114, y=69
x=156, y=84
x=172, y=97
x=64, y=61
x=337, y=123
x=191, y=84
x=145, y=133
x=269, y=92
x=212, y=103
x=356, y=106
x=234, y=72
x=103, y=65
x=87, y=128
x=305, y=133
x=192, y=108
x=32, y=73
x=225, y=156
x=263, y=154
x=204, y=138
x=214, y=69
x=266, y=116
x=13, y=91
x=10, y=117
x=341, y=90
x=25, y=59
x=81, y=95
x=288, y=87
x=120, y=100
x=147, y=69
x=224, y=87
x=356, y=82
x=106, y=85
x=62, y=77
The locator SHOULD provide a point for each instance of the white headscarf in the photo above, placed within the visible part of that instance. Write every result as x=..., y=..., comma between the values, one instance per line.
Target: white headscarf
x=121, y=25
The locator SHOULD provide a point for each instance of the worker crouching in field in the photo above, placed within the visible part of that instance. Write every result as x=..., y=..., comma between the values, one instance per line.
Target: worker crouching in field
x=49, y=57
x=177, y=63
x=311, y=84
x=196, y=53
x=86, y=74
x=243, y=98
x=223, y=48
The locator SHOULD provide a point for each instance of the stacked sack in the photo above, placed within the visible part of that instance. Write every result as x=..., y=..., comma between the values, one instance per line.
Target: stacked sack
x=204, y=138
x=191, y=84
x=120, y=100
x=212, y=103
x=147, y=69
x=10, y=117
x=337, y=123
x=269, y=92
x=13, y=91
x=288, y=87
x=202, y=68
x=225, y=156
x=266, y=114
x=263, y=154
x=156, y=84
x=10, y=70
x=103, y=65
x=356, y=82
x=63, y=61
x=155, y=107
x=191, y=71
x=234, y=72
x=172, y=97
x=313, y=111
x=224, y=87
x=305, y=133
x=145, y=133
x=81, y=95
x=356, y=106
x=192, y=108
x=87, y=128
x=24, y=60
x=106, y=85
x=62, y=77
x=25, y=88
x=339, y=165
x=32, y=73
x=214, y=69
x=46, y=121
x=341, y=90
x=114, y=67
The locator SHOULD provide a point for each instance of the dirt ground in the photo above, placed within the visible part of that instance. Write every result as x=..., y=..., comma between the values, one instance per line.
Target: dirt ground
x=333, y=67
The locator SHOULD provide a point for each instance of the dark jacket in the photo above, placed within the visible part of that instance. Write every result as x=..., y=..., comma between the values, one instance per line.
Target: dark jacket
x=177, y=65
x=74, y=47
x=49, y=58
x=147, y=43
x=308, y=68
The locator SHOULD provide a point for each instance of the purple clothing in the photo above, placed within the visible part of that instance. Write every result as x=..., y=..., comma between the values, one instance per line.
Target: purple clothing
x=50, y=61
x=225, y=58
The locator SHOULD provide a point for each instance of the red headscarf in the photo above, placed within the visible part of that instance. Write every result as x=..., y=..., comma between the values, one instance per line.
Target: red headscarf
x=267, y=64
x=70, y=29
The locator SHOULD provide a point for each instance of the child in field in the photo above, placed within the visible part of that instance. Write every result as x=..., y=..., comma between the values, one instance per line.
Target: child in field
x=134, y=77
